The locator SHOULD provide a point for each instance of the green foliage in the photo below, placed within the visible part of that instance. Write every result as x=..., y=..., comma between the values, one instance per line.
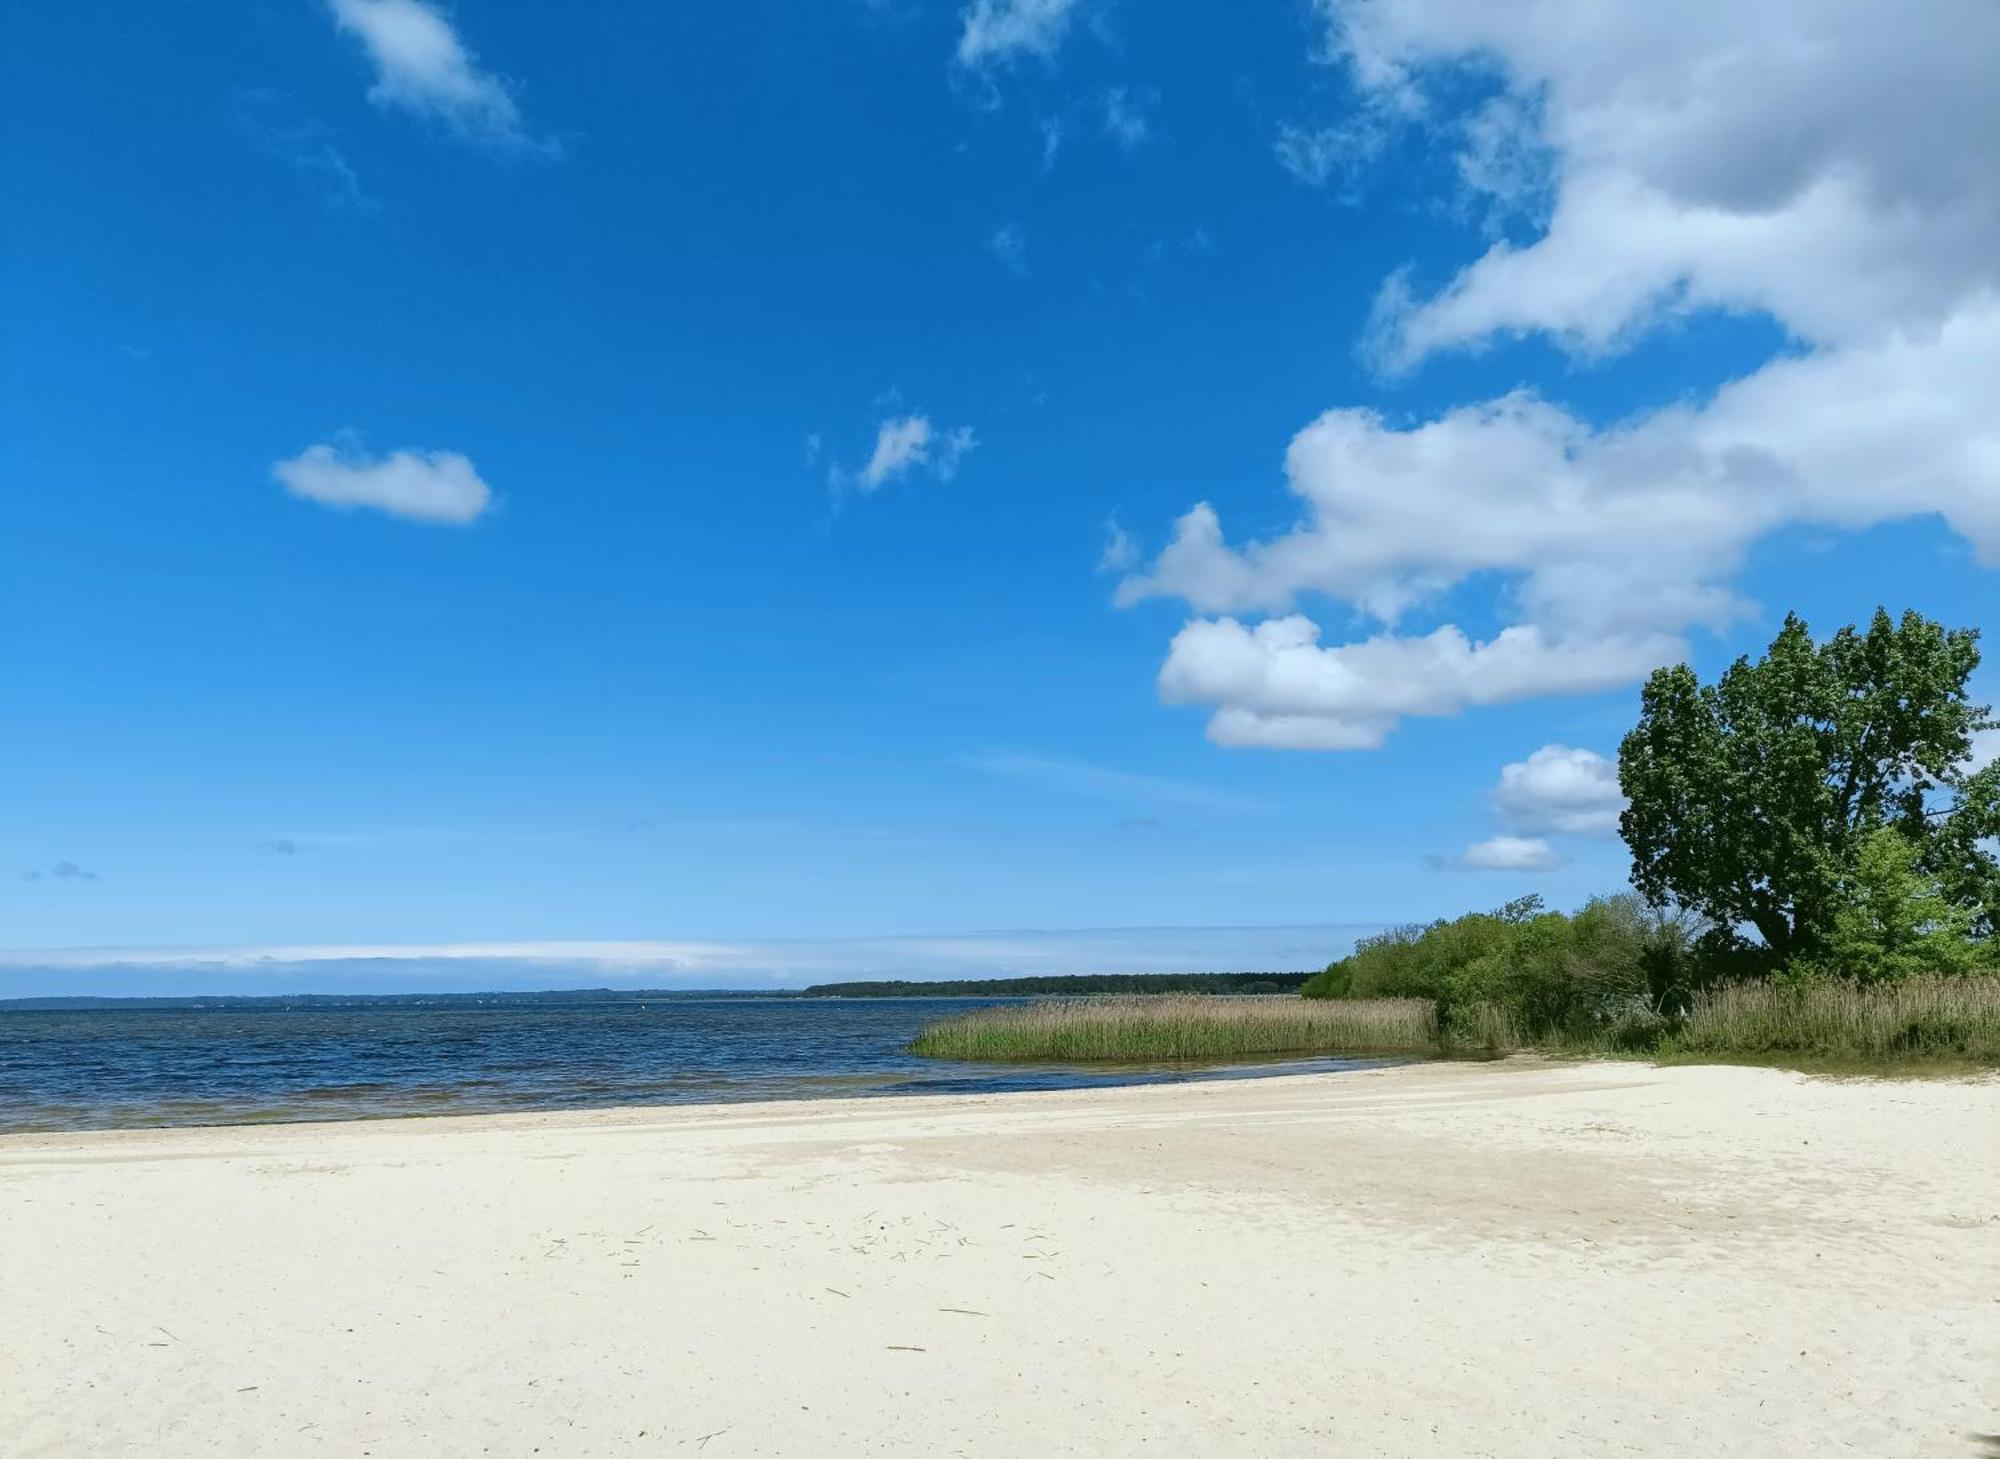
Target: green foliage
x=1751, y=799
x=1892, y=920
x=1540, y=974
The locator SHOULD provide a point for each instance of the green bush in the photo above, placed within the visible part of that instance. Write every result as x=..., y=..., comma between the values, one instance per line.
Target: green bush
x=1548, y=975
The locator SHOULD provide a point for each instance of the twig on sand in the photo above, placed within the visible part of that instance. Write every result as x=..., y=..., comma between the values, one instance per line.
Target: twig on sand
x=966, y=1311
x=702, y=1442
x=836, y=1291
x=897, y=1347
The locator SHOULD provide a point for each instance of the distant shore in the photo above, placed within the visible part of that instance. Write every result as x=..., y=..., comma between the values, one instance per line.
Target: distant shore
x=1506, y=1259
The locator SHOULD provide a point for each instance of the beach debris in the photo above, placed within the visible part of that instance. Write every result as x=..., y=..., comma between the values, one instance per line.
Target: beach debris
x=897, y=1347
x=966, y=1311
x=836, y=1291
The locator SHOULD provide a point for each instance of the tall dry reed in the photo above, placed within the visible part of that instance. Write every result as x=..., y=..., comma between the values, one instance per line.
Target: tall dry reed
x=1178, y=1027
x=1958, y=1017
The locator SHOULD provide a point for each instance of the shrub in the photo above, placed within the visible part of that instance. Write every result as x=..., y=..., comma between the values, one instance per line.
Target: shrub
x=1542, y=974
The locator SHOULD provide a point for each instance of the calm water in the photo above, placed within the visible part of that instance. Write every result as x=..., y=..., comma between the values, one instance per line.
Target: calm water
x=125, y=1067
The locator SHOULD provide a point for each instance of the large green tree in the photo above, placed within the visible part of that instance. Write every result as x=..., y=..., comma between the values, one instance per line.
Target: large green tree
x=1750, y=799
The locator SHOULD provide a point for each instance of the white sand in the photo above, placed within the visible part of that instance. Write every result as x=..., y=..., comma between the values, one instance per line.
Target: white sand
x=1462, y=1260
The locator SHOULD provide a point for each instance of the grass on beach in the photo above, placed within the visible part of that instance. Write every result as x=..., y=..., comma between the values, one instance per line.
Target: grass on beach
x=1917, y=1022
x=1176, y=1027
x=1918, y=1018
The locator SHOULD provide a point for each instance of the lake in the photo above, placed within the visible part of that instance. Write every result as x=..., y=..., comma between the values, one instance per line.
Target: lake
x=125, y=1067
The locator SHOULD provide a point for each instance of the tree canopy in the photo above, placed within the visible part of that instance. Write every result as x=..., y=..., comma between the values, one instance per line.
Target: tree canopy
x=1753, y=800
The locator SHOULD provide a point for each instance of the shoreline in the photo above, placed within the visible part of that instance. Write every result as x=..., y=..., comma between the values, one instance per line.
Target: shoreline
x=1511, y=1258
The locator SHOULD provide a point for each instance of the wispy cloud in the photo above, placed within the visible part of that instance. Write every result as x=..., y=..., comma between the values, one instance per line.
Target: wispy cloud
x=1010, y=245
x=998, y=32
x=413, y=967
x=1317, y=156
x=424, y=486
x=422, y=67
x=280, y=130
x=1074, y=777
x=61, y=871
x=1052, y=131
x=1120, y=551
x=905, y=444
x=1128, y=116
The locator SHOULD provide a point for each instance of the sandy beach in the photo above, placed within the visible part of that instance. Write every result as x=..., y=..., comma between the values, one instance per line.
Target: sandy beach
x=1519, y=1259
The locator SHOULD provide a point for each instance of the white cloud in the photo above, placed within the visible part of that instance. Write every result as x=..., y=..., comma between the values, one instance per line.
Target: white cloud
x=1127, y=119
x=1827, y=161
x=905, y=443
x=1276, y=687
x=1561, y=790
x=427, y=486
x=422, y=67
x=1506, y=853
x=393, y=967
x=1985, y=750
x=1001, y=31
x=1010, y=245
x=1770, y=159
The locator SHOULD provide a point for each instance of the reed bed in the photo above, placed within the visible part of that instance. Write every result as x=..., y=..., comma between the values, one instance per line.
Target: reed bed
x=1920, y=1017
x=1167, y=1026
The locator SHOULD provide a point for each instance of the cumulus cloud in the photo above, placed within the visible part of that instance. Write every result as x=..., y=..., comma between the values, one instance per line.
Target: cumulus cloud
x=1505, y=853
x=425, y=486
x=1772, y=158
x=1560, y=790
x=996, y=32
x=907, y=443
x=422, y=67
x=1708, y=159
x=1279, y=688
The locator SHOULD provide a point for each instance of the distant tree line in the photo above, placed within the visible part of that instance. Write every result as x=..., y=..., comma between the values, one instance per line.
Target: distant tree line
x=1073, y=985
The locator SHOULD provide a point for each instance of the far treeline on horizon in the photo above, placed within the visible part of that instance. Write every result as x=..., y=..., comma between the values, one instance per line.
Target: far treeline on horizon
x=1063, y=985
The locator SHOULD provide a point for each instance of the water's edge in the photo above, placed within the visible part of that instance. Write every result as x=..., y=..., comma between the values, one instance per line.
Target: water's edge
x=63, y=1070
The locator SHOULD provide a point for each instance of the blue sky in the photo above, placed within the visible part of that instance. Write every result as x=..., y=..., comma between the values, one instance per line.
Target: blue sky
x=730, y=473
